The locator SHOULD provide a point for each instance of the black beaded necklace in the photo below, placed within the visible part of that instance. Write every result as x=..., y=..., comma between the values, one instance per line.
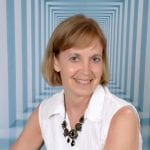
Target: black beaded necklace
x=73, y=133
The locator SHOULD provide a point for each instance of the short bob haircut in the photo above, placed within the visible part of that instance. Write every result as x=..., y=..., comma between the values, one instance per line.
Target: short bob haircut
x=76, y=31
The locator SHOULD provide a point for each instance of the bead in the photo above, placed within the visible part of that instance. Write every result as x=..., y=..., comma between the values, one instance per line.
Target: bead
x=78, y=126
x=64, y=124
x=73, y=134
x=72, y=143
x=81, y=119
x=68, y=140
x=66, y=132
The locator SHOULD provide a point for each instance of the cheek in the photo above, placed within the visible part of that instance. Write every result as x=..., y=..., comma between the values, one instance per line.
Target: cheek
x=68, y=70
x=98, y=71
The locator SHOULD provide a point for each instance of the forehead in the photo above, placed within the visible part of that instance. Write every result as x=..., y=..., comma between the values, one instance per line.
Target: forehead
x=95, y=47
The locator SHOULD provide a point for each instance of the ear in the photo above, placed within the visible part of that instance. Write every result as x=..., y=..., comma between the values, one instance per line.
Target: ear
x=56, y=64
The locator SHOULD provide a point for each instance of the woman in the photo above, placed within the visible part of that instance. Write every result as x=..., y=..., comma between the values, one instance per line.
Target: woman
x=85, y=115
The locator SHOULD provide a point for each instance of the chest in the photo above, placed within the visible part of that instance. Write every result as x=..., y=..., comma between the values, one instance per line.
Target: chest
x=89, y=138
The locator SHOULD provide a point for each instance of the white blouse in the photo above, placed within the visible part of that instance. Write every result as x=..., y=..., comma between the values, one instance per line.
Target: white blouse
x=102, y=107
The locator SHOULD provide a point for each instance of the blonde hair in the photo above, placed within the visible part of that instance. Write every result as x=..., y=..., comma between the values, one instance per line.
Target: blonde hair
x=75, y=31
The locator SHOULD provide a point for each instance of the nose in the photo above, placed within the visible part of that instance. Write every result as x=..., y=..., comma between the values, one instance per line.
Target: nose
x=86, y=68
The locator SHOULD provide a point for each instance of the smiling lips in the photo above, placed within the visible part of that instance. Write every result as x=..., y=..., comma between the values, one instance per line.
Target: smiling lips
x=80, y=81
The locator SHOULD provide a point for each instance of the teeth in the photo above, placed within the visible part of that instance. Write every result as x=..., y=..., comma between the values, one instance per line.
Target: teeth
x=83, y=81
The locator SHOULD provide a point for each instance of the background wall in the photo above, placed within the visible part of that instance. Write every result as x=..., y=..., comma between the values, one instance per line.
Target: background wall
x=25, y=26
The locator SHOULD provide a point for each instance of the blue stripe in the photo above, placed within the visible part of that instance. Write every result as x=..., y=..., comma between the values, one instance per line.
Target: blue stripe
x=145, y=121
x=113, y=37
x=114, y=48
x=24, y=54
x=111, y=52
x=11, y=61
x=134, y=51
x=39, y=41
x=143, y=54
x=45, y=44
x=127, y=48
x=33, y=47
x=117, y=49
x=50, y=22
x=121, y=56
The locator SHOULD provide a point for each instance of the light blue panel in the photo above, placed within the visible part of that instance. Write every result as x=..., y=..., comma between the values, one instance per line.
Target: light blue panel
x=11, y=61
x=143, y=53
x=146, y=101
x=112, y=49
x=40, y=47
x=121, y=48
x=117, y=46
x=134, y=50
x=24, y=55
x=42, y=39
x=129, y=50
x=33, y=48
x=110, y=45
x=4, y=97
x=37, y=47
x=45, y=25
x=127, y=47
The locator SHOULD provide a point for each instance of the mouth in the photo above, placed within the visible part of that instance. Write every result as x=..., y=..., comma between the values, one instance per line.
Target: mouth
x=84, y=82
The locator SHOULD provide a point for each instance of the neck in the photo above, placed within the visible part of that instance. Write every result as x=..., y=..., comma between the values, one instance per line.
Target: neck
x=75, y=108
x=78, y=104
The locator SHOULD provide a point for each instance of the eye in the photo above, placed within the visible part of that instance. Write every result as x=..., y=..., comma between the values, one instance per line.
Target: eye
x=74, y=58
x=96, y=59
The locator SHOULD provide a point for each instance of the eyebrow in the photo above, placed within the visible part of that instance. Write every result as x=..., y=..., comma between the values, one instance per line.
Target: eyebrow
x=78, y=55
x=95, y=55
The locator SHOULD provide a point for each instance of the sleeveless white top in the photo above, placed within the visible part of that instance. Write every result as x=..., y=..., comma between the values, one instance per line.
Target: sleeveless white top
x=102, y=107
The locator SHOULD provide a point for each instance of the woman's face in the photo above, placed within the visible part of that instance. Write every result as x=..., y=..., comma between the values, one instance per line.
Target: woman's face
x=80, y=69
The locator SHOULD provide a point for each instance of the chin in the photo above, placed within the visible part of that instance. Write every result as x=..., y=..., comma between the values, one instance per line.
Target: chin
x=84, y=92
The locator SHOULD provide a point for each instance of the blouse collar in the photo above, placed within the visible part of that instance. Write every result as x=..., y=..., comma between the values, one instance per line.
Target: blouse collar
x=93, y=111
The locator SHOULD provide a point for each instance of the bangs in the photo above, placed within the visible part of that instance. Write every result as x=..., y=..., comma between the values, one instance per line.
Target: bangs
x=80, y=36
x=80, y=41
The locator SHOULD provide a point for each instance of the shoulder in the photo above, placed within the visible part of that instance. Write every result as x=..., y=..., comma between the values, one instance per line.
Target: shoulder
x=125, y=116
x=30, y=131
x=119, y=109
x=112, y=99
x=51, y=101
x=123, y=130
x=113, y=103
x=50, y=105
